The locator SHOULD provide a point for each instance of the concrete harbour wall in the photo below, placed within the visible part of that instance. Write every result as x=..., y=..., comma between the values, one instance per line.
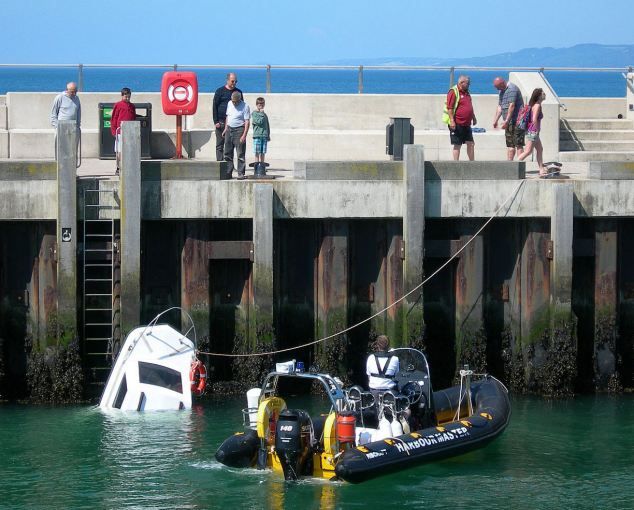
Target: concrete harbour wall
x=346, y=127
x=540, y=298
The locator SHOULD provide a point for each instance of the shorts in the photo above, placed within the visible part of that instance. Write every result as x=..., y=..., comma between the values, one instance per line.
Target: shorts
x=533, y=136
x=460, y=135
x=259, y=145
x=514, y=136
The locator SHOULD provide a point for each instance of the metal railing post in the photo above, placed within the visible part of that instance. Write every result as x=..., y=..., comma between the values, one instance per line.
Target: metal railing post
x=360, y=79
x=268, y=78
x=452, y=71
x=80, y=77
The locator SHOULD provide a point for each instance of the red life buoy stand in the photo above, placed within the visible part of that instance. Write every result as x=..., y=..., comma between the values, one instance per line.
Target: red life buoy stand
x=198, y=377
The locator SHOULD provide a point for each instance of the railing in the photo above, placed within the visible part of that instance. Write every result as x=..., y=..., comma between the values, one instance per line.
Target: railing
x=629, y=81
x=268, y=68
x=552, y=91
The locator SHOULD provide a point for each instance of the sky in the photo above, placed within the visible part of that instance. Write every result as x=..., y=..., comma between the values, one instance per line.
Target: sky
x=297, y=32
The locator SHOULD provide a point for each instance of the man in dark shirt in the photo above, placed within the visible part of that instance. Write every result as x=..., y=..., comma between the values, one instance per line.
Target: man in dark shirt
x=221, y=99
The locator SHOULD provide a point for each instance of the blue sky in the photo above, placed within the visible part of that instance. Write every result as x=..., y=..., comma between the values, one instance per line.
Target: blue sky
x=296, y=32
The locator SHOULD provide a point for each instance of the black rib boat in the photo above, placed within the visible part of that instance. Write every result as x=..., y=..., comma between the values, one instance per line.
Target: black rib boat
x=363, y=436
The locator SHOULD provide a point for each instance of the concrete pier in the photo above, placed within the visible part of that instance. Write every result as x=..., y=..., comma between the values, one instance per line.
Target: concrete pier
x=261, y=320
x=283, y=262
x=413, y=237
x=130, y=193
x=67, y=143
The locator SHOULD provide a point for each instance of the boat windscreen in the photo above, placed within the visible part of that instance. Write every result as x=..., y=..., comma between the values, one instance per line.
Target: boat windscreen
x=413, y=363
x=158, y=375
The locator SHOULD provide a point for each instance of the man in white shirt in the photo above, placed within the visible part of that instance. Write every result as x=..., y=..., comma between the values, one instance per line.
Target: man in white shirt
x=381, y=366
x=235, y=133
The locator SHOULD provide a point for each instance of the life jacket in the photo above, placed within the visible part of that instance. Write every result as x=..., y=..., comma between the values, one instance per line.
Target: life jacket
x=382, y=372
x=445, y=115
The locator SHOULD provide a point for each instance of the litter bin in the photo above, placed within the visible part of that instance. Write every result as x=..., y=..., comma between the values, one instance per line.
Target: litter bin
x=106, y=140
x=398, y=133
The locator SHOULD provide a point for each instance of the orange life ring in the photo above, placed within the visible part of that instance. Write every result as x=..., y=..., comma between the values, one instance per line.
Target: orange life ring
x=198, y=377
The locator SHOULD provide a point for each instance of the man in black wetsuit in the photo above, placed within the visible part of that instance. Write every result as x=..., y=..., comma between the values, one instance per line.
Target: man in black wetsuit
x=219, y=109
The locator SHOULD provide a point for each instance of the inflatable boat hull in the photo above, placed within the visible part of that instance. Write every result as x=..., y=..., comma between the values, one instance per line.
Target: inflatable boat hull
x=491, y=414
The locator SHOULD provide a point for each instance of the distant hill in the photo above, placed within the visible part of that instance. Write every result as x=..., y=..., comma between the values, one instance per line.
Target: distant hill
x=581, y=55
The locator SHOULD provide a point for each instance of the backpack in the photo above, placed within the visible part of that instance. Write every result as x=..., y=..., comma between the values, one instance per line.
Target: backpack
x=524, y=117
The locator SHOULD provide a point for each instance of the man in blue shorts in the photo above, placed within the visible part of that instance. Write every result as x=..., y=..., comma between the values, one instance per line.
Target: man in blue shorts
x=459, y=116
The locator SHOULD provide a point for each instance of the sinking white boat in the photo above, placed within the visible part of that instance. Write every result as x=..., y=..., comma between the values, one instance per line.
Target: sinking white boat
x=157, y=369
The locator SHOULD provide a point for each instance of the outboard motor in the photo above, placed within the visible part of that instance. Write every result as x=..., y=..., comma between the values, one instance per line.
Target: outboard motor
x=293, y=437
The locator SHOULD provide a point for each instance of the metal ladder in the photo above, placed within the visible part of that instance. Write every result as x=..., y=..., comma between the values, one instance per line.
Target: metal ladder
x=99, y=282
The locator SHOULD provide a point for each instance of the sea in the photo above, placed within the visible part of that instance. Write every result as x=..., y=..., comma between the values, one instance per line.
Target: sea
x=572, y=454
x=314, y=81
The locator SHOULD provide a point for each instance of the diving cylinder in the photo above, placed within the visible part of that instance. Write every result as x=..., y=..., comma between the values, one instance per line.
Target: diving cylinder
x=253, y=398
x=397, y=428
x=405, y=425
x=385, y=429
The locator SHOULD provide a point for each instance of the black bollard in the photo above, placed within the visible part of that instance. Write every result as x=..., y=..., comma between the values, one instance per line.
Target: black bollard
x=260, y=170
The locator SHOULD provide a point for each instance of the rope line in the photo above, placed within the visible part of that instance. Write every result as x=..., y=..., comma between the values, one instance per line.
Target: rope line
x=349, y=328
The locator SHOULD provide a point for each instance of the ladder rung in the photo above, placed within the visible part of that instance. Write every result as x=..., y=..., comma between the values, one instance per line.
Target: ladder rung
x=98, y=235
x=97, y=265
x=97, y=339
x=97, y=354
x=97, y=295
x=98, y=221
x=98, y=324
x=98, y=280
x=97, y=249
x=97, y=309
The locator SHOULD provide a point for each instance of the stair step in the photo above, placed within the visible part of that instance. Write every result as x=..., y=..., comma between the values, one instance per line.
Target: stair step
x=596, y=134
x=577, y=124
x=596, y=156
x=607, y=146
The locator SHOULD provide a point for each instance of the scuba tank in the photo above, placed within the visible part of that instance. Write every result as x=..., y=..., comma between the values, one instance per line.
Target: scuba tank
x=385, y=428
x=404, y=425
x=397, y=428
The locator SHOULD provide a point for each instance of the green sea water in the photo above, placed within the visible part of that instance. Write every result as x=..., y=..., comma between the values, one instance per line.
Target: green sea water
x=574, y=454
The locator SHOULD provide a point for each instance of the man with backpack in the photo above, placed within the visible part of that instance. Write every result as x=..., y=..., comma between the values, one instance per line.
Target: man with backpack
x=509, y=105
x=459, y=116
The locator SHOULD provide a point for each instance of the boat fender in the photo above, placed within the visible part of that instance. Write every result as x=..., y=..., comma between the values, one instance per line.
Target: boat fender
x=198, y=377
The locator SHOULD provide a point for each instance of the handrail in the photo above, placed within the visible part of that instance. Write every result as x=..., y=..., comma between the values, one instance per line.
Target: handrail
x=359, y=68
x=552, y=91
x=629, y=81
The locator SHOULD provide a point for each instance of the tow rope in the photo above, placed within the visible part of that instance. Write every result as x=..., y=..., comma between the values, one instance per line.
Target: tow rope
x=349, y=328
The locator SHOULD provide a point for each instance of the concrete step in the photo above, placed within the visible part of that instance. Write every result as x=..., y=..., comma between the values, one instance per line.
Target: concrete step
x=609, y=146
x=583, y=124
x=596, y=156
x=584, y=135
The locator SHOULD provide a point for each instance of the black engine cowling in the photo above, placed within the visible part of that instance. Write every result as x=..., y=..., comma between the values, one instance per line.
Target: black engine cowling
x=293, y=438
